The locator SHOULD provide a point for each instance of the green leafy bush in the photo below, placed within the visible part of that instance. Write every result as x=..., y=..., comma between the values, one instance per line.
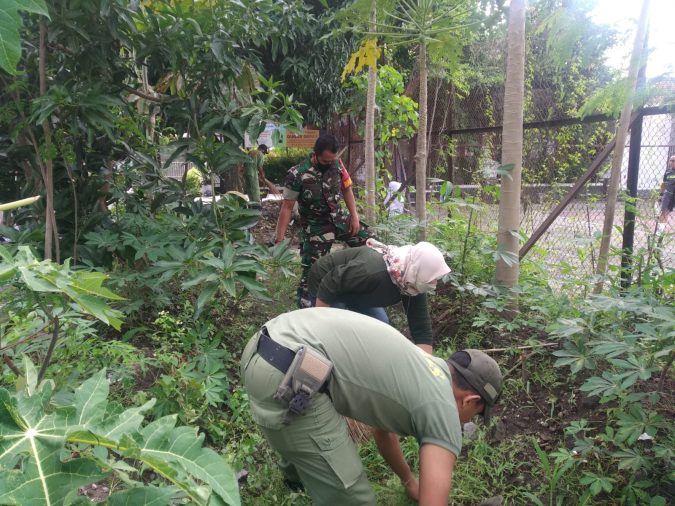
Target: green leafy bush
x=193, y=181
x=625, y=342
x=189, y=247
x=192, y=369
x=279, y=161
x=49, y=447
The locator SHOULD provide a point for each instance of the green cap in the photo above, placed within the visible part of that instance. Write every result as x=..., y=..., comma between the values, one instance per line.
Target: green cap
x=482, y=373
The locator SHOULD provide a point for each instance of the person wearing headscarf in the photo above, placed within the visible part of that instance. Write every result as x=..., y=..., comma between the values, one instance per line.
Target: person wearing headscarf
x=371, y=277
x=394, y=202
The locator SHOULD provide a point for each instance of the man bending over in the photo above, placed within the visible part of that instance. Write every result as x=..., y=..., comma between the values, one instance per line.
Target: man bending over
x=306, y=370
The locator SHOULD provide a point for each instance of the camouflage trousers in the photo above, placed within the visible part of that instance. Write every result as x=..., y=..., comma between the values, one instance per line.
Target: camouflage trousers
x=316, y=240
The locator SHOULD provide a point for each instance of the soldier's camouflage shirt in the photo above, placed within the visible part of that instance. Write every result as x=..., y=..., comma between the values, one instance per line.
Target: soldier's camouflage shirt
x=318, y=194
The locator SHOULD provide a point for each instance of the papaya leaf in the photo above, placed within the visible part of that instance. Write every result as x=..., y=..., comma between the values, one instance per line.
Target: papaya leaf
x=182, y=446
x=147, y=496
x=35, y=435
x=84, y=289
x=27, y=429
x=10, y=23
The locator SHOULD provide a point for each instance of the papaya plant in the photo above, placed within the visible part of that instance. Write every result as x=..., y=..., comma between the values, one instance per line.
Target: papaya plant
x=42, y=298
x=49, y=449
x=10, y=24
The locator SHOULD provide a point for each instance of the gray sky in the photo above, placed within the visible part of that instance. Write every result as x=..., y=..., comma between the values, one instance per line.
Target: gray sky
x=623, y=14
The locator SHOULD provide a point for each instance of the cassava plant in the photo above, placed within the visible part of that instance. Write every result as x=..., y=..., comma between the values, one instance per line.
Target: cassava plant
x=627, y=343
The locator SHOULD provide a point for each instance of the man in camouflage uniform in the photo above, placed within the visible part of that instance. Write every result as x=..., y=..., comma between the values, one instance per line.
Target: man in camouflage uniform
x=318, y=185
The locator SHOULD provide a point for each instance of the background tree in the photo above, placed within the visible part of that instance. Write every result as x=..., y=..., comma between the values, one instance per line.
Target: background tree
x=397, y=113
x=306, y=60
x=421, y=23
x=565, y=64
x=371, y=174
x=367, y=55
x=120, y=81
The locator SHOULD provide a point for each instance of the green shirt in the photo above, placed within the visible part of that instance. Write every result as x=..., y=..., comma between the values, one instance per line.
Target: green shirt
x=379, y=377
x=257, y=159
x=359, y=277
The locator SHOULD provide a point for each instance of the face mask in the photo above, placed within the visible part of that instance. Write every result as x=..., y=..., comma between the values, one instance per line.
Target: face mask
x=323, y=167
x=420, y=288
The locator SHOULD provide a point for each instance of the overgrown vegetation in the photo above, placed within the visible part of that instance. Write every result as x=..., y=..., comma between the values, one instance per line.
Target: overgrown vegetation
x=560, y=429
x=126, y=300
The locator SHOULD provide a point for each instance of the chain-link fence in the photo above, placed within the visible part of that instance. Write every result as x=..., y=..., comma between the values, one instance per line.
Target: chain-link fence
x=550, y=169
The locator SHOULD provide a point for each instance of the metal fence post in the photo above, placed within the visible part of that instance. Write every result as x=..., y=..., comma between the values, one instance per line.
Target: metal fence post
x=631, y=203
x=632, y=188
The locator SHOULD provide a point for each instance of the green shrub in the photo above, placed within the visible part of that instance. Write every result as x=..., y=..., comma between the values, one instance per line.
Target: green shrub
x=279, y=161
x=165, y=244
x=193, y=181
x=626, y=343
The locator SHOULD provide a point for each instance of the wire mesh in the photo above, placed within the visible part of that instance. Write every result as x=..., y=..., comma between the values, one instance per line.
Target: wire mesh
x=571, y=243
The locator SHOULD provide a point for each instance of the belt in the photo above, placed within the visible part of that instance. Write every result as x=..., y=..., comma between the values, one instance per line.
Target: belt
x=278, y=355
x=274, y=353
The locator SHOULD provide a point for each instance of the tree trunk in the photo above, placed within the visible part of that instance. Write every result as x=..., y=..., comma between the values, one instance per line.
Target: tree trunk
x=51, y=232
x=512, y=148
x=232, y=179
x=451, y=108
x=421, y=154
x=617, y=156
x=430, y=144
x=370, y=131
x=105, y=188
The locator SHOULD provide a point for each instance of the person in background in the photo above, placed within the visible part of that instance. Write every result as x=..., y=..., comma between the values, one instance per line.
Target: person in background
x=259, y=161
x=254, y=174
x=373, y=374
x=319, y=184
x=394, y=202
x=374, y=276
x=667, y=195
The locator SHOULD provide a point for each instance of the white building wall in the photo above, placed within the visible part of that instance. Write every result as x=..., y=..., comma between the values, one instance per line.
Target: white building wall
x=658, y=142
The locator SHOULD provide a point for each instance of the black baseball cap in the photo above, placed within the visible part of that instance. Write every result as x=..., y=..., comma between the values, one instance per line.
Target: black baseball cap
x=482, y=373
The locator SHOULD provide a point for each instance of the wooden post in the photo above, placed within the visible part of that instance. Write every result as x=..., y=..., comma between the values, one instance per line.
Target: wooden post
x=621, y=134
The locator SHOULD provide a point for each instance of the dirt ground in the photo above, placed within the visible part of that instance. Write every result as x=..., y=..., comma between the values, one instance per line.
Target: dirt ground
x=265, y=230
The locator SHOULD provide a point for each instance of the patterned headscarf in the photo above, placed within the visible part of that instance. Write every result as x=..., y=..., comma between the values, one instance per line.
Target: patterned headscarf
x=413, y=268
